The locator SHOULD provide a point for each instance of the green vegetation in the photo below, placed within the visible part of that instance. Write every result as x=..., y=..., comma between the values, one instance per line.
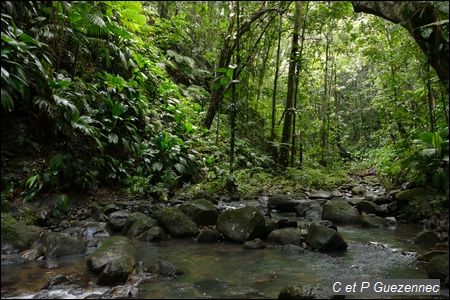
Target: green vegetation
x=155, y=98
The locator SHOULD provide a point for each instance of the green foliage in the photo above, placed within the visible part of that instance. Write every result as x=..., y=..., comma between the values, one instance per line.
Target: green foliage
x=61, y=206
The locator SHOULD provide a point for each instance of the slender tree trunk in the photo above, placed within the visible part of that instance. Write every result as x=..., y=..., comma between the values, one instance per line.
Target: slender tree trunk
x=324, y=137
x=234, y=93
x=275, y=82
x=431, y=101
x=297, y=79
x=287, y=127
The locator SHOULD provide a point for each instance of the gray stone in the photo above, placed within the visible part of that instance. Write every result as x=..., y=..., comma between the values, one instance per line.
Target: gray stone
x=310, y=209
x=254, y=244
x=286, y=236
x=241, y=224
x=370, y=207
x=426, y=238
x=438, y=267
x=60, y=244
x=117, y=220
x=176, y=223
x=383, y=199
x=320, y=195
x=293, y=249
x=373, y=221
x=154, y=234
x=391, y=221
x=95, y=229
x=325, y=239
x=282, y=202
x=358, y=190
x=17, y=233
x=113, y=262
x=140, y=226
x=208, y=235
x=340, y=212
x=201, y=211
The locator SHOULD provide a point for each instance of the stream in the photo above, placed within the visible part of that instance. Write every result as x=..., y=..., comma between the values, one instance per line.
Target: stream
x=226, y=270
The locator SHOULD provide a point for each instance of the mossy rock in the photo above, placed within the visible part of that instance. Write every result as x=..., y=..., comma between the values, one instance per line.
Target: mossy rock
x=418, y=194
x=286, y=236
x=201, y=211
x=140, y=226
x=340, y=212
x=17, y=233
x=242, y=224
x=176, y=223
x=113, y=262
x=325, y=239
x=59, y=244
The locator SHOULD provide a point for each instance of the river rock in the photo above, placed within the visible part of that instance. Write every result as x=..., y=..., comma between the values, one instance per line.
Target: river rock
x=310, y=209
x=373, y=221
x=254, y=244
x=293, y=249
x=340, y=212
x=201, y=211
x=17, y=233
x=154, y=234
x=417, y=194
x=427, y=256
x=164, y=268
x=113, y=262
x=320, y=195
x=358, y=190
x=284, y=223
x=241, y=224
x=327, y=224
x=325, y=239
x=95, y=229
x=117, y=219
x=108, y=209
x=282, y=202
x=131, y=219
x=305, y=292
x=382, y=199
x=208, y=235
x=370, y=207
x=438, y=267
x=426, y=238
x=286, y=236
x=391, y=221
x=141, y=225
x=59, y=244
x=176, y=223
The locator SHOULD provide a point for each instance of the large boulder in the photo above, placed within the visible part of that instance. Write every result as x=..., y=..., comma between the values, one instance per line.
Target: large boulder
x=320, y=195
x=201, y=211
x=309, y=209
x=17, y=233
x=176, y=223
x=426, y=238
x=95, y=229
x=113, y=262
x=373, y=221
x=241, y=224
x=131, y=219
x=370, y=207
x=117, y=219
x=438, y=267
x=283, y=202
x=154, y=234
x=325, y=239
x=340, y=212
x=255, y=244
x=418, y=194
x=141, y=225
x=59, y=244
x=286, y=236
x=208, y=235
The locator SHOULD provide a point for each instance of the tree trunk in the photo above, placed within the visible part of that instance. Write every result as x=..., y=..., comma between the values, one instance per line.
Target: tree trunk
x=234, y=93
x=416, y=17
x=287, y=127
x=226, y=52
x=275, y=83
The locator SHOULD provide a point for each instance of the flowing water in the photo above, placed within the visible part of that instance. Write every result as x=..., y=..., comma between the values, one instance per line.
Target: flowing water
x=226, y=270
